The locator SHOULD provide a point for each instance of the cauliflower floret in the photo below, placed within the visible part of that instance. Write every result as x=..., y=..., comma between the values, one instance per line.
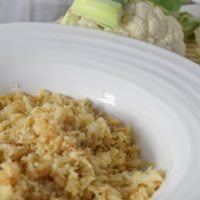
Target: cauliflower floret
x=143, y=21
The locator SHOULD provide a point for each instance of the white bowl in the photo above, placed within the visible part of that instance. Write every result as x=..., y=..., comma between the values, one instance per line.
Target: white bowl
x=156, y=91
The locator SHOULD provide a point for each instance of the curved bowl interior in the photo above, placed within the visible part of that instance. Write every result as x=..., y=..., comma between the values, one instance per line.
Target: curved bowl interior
x=155, y=91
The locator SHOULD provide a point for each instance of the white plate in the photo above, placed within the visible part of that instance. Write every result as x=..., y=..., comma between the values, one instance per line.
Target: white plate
x=153, y=89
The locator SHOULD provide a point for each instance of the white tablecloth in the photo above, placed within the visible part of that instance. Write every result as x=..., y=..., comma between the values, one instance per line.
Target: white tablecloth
x=32, y=10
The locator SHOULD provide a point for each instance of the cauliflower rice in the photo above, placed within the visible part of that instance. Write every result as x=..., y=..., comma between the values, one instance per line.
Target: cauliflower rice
x=53, y=147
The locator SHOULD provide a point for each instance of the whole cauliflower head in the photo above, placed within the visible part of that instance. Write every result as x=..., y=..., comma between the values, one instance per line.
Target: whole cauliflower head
x=143, y=21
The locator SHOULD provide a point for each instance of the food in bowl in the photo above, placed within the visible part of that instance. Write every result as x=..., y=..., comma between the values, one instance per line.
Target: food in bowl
x=55, y=147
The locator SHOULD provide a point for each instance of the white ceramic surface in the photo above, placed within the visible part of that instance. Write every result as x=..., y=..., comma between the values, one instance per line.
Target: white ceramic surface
x=156, y=91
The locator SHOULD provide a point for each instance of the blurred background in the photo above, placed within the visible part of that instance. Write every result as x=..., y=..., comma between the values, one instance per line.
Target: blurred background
x=50, y=10
x=32, y=10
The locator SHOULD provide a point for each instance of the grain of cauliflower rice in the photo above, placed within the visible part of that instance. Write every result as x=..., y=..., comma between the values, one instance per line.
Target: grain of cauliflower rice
x=53, y=147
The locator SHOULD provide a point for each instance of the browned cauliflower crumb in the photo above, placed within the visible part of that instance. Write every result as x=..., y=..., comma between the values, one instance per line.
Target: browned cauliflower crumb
x=53, y=147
